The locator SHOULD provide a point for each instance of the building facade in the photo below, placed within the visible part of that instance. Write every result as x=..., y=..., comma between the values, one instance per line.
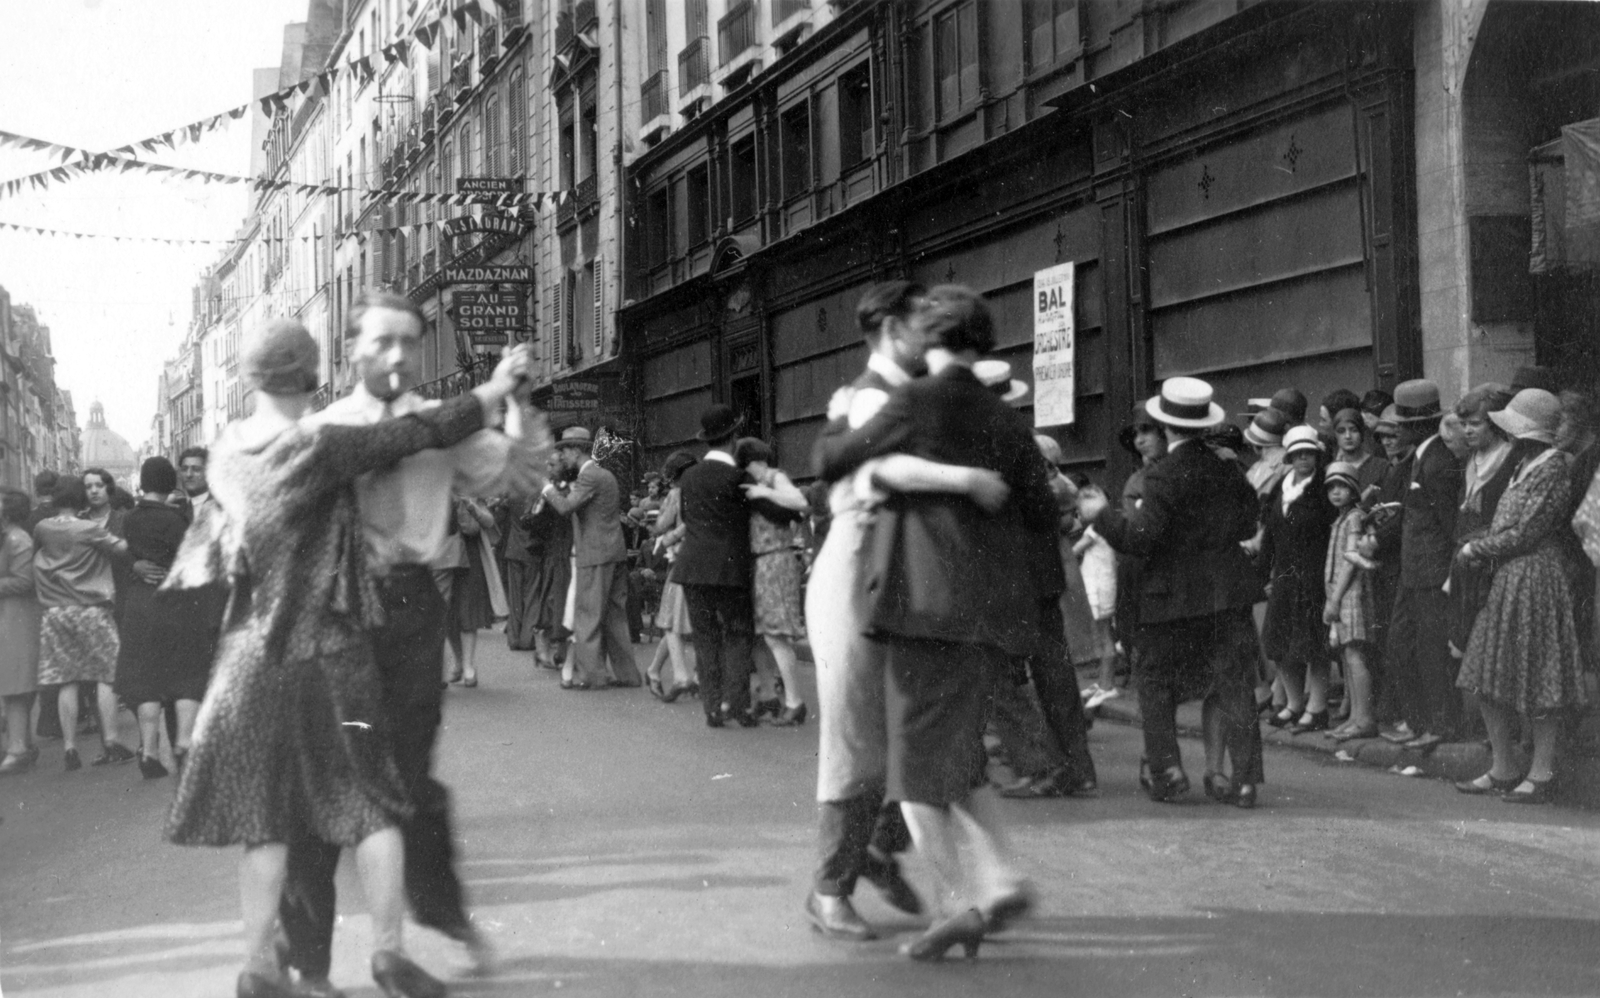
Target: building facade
x=38, y=426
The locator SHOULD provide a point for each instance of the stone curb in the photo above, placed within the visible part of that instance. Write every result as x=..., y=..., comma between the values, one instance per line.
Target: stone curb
x=1448, y=761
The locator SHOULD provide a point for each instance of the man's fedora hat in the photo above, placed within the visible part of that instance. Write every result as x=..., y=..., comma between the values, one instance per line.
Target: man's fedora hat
x=1416, y=401
x=718, y=423
x=576, y=436
x=1185, y=402
x=996, y=376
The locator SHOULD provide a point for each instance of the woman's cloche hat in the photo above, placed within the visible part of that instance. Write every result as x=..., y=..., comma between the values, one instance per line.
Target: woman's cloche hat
x=1341, y=473
x=1302, y=438
x=1267, y=428
x=1533, y=413
x=1187, y=403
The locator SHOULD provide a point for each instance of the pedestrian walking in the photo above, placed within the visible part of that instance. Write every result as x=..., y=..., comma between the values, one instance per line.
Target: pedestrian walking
x=600, y=581
x=20, y=613
x=274, y=758
x=167, y=640
x=404, y=516
x=1195, y=634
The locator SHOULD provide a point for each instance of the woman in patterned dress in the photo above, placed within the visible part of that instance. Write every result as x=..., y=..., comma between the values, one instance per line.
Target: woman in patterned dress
x=19, y=630
x=1349, y=610
x=290, y=740
x=78, y=637
x=776, y=577
x=1525, y=656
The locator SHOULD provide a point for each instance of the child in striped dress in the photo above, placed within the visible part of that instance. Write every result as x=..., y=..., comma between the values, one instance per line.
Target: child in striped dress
x=1348, y=611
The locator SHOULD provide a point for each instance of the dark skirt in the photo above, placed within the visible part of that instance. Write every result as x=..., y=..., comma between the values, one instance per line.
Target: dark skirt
x=552, y=574
x=938, y=701
x=168, y=641
x=469, y=599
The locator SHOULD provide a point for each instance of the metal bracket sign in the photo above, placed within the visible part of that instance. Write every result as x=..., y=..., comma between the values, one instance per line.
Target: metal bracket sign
x=501, y=274
x=489, y=318
x=488, y=185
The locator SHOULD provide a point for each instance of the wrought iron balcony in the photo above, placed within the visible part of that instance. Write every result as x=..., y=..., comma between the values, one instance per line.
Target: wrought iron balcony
x=736, y=31
x=654, y=96
x=472, y=374
x=587, y=192
x=488, y=47
x=694, y=65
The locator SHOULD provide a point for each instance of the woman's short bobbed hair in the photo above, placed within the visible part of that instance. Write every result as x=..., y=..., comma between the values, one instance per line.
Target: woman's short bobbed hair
x=959, y=320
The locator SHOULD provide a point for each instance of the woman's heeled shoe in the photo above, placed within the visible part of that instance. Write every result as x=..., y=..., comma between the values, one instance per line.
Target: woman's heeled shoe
x=1284, y=717
x=965, y=930
x=790, y=717
x=397, y=977
x=1218, y=787
x=1495, y=785
x=1318, y=721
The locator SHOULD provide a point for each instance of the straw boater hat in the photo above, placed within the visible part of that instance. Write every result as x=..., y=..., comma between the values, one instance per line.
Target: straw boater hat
x=1267, y=429
x=1301, y=438
x=1186, y=403
x=576, y=436
x=996, y=376
x=1532, y=414
x=1416, y=401
x=1342, y=473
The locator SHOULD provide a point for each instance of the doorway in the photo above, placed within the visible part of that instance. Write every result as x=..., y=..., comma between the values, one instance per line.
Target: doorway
x=744, y=396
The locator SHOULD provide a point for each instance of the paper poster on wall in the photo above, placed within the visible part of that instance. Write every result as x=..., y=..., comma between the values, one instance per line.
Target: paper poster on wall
x=1054, y=380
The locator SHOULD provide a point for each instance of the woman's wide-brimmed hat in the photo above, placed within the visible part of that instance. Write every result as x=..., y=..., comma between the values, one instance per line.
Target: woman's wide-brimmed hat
x=1341, y=473
x=996, y=376
x=1533, y=414
x=1267, y=429
x=718, y=423
x=1416, y=401
x=1302, y=438
x=1187, y=403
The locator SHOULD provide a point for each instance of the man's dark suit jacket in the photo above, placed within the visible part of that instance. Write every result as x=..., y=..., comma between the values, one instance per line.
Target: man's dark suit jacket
x=1196, y=509
x=716, y=517
x=1428, y=530
x=941, y=567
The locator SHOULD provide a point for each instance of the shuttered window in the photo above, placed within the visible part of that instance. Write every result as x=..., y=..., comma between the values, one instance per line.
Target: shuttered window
x=597, y=279
x=517, y=114
x=557, y=326
x=491, y=138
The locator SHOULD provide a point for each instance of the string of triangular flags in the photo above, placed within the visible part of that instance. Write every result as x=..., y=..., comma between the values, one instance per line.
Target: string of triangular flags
x=97, y=162
x=426, y=33
x=443, y=227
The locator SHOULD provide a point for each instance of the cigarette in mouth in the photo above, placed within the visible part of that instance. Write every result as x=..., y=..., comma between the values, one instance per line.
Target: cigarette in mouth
x=394, y=382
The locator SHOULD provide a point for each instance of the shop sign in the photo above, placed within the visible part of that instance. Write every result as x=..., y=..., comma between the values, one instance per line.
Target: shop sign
x=488, y=185
x=1054, y=381
x=510, y=225
x=489, y=318
x=505, y=274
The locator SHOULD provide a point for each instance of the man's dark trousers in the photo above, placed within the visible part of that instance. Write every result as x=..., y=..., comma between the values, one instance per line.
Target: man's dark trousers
x=1419, y=660
x=409, y=649
x=858, y=837
x=1210, y=657
x=723, y=619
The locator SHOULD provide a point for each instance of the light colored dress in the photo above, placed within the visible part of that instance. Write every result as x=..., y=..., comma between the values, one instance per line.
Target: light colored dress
x=19, y=615
x=672, y=616
x=72, y=573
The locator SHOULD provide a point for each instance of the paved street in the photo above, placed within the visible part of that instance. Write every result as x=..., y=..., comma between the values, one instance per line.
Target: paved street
x=615, y=846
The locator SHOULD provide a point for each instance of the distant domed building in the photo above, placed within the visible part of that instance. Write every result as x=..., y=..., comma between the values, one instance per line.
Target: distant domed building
x=105, y=448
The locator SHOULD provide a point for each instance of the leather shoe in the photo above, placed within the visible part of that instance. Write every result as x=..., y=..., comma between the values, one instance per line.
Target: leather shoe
x=885, y=875
x=836, y=918
x=1168, y=785
x=714, y=719
x=747, y=720
x=398, y=977
x=575, y=686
